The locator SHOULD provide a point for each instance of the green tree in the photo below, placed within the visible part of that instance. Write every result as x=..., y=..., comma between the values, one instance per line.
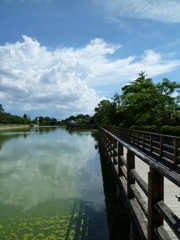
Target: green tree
x=53, y=121
x=167, y=107
x=1, y=108
x=47, y=121
x=105, y=113
x=145, y=103
x=137, y=100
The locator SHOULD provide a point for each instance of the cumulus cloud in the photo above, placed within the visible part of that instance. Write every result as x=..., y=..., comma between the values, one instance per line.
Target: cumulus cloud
x=31, y=74
x=64, y=79
x=162, y=10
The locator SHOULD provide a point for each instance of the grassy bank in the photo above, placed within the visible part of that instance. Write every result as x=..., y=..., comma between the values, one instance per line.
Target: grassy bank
x=12, y=126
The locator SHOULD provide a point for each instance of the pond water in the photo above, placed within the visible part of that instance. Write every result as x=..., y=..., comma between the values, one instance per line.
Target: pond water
x=51, y=185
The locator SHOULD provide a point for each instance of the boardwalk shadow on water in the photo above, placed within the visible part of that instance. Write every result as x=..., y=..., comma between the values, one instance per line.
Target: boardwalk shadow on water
x=89, y=224
x=117, y=217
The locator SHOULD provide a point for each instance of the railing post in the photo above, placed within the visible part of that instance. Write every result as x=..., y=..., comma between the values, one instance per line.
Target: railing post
x=105, y=138
x=119, y=132
x=143, y=140
x=114, y=152
x=155, y=193
x=130, y=179
x=161, y=146
x=150, y=142
x=133, y=137
x=110, y=146
x=176, y=146
x=120, y=153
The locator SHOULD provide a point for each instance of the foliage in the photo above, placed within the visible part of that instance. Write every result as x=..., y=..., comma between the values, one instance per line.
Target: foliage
x=166, y=129
x=7, y=118
x=142, y=104
x=105, y=113
x=145, y=103
x=80, y=118
x=1, y=108
x=46, y=121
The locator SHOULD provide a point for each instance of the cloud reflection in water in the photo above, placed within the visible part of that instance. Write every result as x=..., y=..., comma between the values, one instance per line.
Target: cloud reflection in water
x=50, y=165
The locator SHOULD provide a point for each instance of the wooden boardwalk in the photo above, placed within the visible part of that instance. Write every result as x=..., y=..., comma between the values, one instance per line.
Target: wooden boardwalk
x=138, y=190
x=170, y=191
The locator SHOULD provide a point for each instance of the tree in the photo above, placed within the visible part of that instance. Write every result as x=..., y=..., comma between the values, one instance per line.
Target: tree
x=105, y=113
x=53, y=121
x=117, y=98
x=47, y=121
x=145, y=103
x=167, y=107
x=1, y=108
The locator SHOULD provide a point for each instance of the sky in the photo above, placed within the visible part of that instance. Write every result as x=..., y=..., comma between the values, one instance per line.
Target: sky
x=62, y=57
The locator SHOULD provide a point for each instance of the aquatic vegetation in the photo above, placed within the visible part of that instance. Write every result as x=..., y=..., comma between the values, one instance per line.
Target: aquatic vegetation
x=47, y=227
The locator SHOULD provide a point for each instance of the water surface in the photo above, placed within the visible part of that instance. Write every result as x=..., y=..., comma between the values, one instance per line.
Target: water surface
x=51, y=185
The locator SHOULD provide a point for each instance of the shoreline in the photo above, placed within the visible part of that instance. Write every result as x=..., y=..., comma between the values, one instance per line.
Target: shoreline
x=13, y=127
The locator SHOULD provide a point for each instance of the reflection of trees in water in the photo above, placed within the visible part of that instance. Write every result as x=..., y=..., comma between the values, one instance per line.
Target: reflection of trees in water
x=94, y=134
x=9, y=135
x=81, y=132
x=117, y=217
x=46, y=130
x=77, y=131
x=74, y=131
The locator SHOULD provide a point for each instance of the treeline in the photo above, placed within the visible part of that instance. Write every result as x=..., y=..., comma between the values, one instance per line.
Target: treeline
x=80, y=119
x=143, y=105
x=46, y=121
x=7, y=118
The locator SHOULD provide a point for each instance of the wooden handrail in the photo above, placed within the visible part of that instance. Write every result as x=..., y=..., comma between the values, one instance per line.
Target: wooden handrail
x=127, y=177
x=165, y=146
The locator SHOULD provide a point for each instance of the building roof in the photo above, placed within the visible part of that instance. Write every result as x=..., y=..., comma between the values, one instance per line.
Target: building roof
x=72, y=122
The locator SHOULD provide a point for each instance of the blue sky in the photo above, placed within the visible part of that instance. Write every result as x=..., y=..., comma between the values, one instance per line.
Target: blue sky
x=61, y=57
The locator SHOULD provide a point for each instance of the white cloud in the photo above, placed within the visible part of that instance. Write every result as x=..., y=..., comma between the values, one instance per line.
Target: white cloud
x=63, y=79
x=161, y=10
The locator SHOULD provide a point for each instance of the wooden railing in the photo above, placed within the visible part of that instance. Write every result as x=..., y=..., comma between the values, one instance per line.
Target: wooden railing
x=148, y=215
x=165, y=146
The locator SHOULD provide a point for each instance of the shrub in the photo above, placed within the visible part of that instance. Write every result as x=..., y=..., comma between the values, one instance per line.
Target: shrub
x=176, y=131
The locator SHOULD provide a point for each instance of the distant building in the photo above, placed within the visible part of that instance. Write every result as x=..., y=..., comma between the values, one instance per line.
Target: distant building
x=72, y=122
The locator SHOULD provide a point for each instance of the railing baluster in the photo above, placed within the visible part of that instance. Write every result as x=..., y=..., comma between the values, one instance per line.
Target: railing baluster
x=150, y=143
x=176, y=146
x=130, y=179
x=120, y=153
x=155, y=193
x=161, y=146
x=143, y=140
